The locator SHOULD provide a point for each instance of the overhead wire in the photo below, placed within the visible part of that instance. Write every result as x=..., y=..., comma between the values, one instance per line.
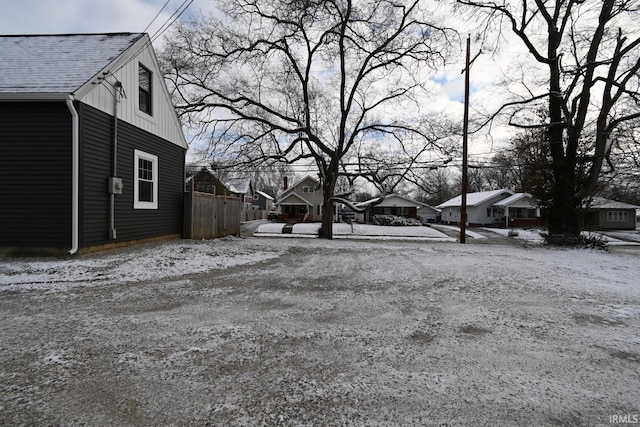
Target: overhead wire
x=156, y=17
x=163, y=28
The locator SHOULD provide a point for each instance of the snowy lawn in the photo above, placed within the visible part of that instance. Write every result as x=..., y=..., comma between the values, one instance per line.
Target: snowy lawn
x=533, y=235
x=271, y=331
x=529, y=235
x=355, y=231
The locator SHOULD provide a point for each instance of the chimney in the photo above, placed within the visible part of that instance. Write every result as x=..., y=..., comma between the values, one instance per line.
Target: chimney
x=286, y=183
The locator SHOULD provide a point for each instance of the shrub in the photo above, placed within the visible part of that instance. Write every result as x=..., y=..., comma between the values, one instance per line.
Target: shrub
x=592, y=241
x=394, y=220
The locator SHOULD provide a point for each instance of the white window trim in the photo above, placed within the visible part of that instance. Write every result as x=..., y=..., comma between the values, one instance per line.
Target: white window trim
x=151, y=118
x=137, y=204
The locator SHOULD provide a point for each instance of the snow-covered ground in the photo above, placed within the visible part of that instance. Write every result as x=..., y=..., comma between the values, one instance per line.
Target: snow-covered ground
x=433, y=233
x=355, y=231
x=272, y=331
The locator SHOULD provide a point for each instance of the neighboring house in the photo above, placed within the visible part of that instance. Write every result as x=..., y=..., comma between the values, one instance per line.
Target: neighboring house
x=394, y=204
x=91, y=149
x=205, y=181
x=498, y=207
x=242, y=188
x=519, y=210
x=605, y=214
x=262, y=201
x=428, y=214
x=302, y=201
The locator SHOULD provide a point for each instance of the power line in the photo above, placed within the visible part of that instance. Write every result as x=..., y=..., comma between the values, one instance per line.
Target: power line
x=164, y=27
x=156, y=17
x=168, y=24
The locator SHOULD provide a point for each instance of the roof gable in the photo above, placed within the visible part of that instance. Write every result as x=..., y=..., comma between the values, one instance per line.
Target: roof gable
x=294, y=199
x=95, y=69
x=57, y=64
x=525, y=199
x=297, y=184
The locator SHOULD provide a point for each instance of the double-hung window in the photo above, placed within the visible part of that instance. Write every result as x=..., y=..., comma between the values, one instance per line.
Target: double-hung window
x=144, y=89
x=616, y=216
x=145, y=190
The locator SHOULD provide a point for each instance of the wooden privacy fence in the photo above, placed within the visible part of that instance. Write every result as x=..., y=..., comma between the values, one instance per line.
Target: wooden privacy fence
x=207, y=216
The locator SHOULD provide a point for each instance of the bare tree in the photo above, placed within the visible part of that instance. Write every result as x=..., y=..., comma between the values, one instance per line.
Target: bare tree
x=436, y=186
x=308, y=81
x=588, y=53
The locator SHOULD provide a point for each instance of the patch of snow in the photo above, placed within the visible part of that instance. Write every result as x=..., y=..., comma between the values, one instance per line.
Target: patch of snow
x=355, y=231
x=531, y=235
x=150, y=262
x=467, y=232
x=624, y=235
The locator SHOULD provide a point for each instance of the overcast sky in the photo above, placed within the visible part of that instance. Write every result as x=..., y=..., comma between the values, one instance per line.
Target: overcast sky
x=100, y=16
x=90, y=16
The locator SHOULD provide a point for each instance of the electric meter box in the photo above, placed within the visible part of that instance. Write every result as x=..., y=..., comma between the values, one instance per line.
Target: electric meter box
x=115, y=185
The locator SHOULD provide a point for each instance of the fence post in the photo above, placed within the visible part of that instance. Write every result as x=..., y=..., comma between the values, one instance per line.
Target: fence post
x=215, y=214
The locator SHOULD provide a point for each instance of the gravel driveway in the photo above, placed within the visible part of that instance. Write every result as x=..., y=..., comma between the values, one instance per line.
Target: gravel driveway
x=327, y=334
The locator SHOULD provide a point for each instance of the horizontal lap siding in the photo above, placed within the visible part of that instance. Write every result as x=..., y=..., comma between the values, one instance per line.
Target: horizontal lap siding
x=35, y=174
x=130, y=224
x=96, y=138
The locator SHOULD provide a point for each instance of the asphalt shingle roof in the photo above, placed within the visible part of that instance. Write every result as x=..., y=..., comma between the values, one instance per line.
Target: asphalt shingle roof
x=474, y=198
x=33, y=64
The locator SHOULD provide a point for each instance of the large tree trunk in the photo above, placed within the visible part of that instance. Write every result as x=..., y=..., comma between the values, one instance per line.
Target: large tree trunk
x=328, y=188
x=327, y=219
x=564, y=217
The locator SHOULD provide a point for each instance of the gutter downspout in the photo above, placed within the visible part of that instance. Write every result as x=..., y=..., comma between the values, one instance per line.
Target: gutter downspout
x=75, y=173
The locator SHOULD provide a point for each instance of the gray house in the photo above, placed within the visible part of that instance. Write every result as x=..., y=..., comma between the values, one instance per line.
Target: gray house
x=301, y=202
x=262, y=201
x=606, y=214
x=91, y=150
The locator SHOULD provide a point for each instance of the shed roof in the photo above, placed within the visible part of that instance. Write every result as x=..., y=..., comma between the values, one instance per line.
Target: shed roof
x=57, y=64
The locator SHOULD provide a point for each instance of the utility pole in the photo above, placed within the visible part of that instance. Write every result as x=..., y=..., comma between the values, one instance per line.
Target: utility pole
x=465, y=132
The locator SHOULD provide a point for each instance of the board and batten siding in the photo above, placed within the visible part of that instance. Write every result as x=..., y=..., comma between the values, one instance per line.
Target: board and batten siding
x=163, y=121
x=131, y=224
x=35, y=175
